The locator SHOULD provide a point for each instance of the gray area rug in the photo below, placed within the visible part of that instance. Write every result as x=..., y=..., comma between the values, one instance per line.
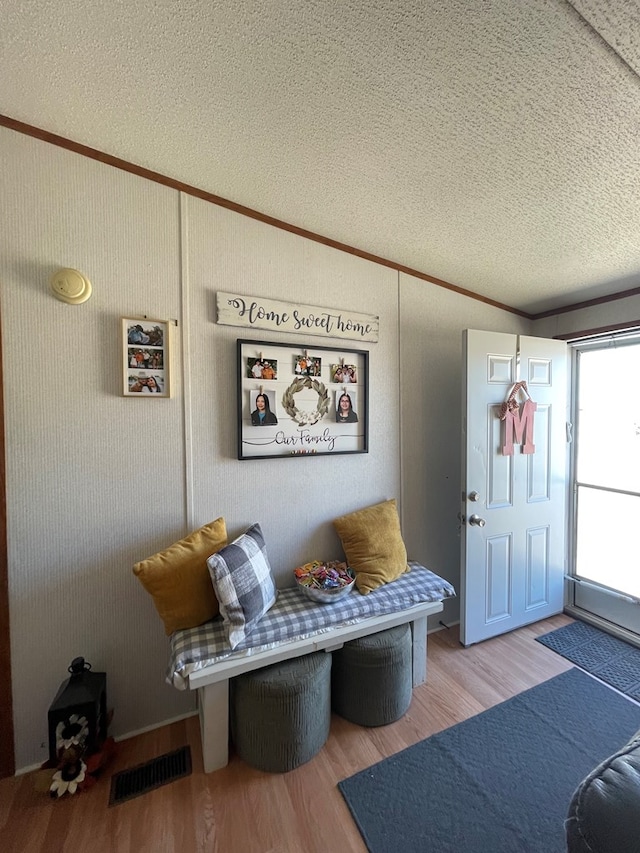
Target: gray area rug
x=500, y=782
x=608, y=658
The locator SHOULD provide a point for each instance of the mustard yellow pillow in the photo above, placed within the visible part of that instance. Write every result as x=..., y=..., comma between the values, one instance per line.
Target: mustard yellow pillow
x=178, y=578
x=373, y=544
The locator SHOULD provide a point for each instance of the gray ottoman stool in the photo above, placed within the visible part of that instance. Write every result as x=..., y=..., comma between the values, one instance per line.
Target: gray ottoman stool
x=280, y=715
x=371, y=679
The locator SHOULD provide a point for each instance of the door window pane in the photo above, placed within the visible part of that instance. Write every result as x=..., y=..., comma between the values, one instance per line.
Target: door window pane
x=609, y=418
x=607, y=539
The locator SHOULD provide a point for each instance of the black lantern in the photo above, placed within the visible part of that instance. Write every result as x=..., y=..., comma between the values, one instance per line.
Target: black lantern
x=78, y=714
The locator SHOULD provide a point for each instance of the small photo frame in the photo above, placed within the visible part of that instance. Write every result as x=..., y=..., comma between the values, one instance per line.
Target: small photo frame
x=306, y=365
x=344, y=374
x=262, y=368
x=263, y=408
x=145, y=358
x=346, y=406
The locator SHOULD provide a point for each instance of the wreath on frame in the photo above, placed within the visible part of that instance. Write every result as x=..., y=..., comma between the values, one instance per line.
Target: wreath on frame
x=306, y=418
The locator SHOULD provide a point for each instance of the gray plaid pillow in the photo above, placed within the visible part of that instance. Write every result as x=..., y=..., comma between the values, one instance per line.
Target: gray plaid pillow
x=243, y=583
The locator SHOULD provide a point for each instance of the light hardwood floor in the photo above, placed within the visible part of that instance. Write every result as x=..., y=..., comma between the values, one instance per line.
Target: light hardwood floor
x=241, y=810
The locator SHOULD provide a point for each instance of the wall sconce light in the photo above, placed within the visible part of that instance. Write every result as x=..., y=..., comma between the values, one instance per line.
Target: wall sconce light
x=70, y=286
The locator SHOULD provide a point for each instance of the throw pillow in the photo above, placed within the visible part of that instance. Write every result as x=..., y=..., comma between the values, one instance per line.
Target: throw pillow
x=178, y=579
x=242, y=579
x=373, y=544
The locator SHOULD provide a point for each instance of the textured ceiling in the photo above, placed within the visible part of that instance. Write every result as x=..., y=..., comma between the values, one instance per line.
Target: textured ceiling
x=490, y=143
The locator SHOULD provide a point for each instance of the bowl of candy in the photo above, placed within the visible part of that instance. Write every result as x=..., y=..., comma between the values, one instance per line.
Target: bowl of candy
x=324, y=582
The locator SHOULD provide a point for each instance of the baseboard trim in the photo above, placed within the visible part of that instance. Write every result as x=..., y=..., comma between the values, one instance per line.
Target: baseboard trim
x=442, y=627
x=31, y=767
x=155, y=726
x=28, y=769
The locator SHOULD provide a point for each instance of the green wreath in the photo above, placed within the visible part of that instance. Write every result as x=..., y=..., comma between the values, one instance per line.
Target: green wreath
x=306, y=418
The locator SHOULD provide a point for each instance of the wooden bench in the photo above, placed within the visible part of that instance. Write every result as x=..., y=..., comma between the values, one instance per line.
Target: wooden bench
x=212, y=680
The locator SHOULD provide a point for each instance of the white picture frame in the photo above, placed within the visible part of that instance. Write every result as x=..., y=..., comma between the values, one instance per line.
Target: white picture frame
x=146, y=371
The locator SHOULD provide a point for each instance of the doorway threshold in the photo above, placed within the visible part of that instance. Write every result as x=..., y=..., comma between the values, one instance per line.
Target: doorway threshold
x=604, y=625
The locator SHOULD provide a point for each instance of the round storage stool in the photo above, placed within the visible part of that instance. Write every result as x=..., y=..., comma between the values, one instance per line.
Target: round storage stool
x=371, y=678
x=280, y=715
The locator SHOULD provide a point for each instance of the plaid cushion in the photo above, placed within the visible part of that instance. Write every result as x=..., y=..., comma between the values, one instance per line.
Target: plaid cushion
x=295, y=617
x=242, y=579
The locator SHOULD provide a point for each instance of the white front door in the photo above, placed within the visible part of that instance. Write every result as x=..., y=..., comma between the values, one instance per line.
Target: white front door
x=513, y=506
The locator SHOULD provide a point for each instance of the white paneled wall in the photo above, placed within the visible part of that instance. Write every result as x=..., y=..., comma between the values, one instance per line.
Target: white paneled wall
x=294, y=499
x=594, y=317
x=96, y=481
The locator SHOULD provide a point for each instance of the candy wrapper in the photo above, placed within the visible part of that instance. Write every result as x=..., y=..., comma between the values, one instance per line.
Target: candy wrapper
x=320, y=575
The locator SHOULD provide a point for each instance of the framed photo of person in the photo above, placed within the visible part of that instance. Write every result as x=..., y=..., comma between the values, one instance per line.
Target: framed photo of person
x=297, y=401
x=145, y=358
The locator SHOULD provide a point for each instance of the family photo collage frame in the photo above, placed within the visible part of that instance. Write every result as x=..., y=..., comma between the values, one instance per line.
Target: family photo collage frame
x=295, y=400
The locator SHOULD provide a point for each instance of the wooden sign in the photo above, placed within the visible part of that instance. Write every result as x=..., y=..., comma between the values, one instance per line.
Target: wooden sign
x=253, y=312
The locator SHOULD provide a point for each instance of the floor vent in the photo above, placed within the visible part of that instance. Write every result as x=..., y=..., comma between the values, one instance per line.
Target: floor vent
x=152, y=774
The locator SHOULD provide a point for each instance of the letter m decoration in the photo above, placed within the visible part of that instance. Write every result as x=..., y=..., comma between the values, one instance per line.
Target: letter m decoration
x=518, y=420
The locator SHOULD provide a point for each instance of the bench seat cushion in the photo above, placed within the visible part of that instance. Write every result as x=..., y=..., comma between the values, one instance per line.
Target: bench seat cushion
x=295, y=617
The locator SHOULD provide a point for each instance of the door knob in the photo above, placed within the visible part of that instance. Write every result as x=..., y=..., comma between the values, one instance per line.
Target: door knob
x=474, y=496
x=476, y=521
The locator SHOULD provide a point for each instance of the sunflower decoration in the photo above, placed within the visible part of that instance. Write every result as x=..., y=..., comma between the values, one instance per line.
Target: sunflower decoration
x=71, y=741
x=71, y=774
x=303, y=418
x=77, y=766
x=71, y=732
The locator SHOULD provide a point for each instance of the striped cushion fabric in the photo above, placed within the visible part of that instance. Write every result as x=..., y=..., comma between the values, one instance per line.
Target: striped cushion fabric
x=243, y=583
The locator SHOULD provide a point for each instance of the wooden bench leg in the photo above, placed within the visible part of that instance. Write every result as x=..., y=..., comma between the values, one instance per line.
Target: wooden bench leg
x=419, y=643
x=213, y=708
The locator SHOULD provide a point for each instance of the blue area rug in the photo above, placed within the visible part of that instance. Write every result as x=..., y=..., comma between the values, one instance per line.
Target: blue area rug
x=608, y=658
x=500, y=782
